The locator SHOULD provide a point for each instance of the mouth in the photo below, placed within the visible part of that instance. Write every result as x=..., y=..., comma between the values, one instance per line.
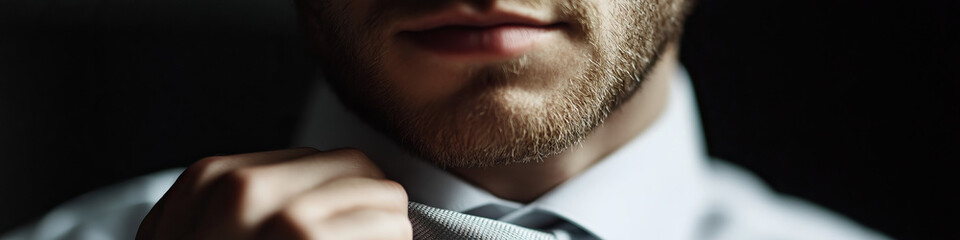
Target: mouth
x=463, y=34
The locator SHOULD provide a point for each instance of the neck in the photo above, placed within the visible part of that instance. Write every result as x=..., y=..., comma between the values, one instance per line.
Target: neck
x=527, y=182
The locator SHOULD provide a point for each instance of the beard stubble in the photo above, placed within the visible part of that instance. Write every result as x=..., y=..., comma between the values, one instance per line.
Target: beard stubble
x=487, y=124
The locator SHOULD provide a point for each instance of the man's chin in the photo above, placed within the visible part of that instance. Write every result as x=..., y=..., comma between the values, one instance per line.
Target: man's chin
x=494, y=136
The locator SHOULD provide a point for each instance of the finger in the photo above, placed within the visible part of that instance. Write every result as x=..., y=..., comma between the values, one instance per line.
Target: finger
x=266, y=188
x=299, y=175
x=243, y=199
x=177, y=204
x=346, y=194
x=336, y=197
x=355, y=224
x=207, y=170
x=369, y=224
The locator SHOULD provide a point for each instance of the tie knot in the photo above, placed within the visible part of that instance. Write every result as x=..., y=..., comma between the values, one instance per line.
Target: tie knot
x=434, y=223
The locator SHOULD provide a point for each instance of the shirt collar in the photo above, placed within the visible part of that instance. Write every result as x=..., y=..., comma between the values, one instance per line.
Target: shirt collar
x=651, y=188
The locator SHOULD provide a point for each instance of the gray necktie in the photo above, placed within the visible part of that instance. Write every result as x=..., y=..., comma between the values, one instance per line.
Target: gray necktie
x=435, y=224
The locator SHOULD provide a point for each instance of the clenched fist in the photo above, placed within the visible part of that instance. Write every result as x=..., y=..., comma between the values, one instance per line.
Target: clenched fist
x=287, y=194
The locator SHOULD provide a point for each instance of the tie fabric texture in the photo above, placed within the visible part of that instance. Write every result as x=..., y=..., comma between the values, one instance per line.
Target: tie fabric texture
x=431, y=223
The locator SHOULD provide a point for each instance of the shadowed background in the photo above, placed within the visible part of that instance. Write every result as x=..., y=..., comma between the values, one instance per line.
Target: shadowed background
x=850, y=104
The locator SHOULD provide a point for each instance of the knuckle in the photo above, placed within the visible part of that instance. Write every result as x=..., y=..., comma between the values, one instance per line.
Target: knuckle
x=393, y=188
x=245, y=189
x=240, y=178
x=351, y=153
x=358, y=161
x=387, y=192
x=208, y=165
x=243, y=183
x=213, y=159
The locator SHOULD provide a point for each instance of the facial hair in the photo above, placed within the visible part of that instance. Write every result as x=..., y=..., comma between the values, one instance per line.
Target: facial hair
x=477, y=128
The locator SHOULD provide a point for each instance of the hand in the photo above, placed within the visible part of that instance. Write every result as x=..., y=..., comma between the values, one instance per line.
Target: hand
x=287, y=194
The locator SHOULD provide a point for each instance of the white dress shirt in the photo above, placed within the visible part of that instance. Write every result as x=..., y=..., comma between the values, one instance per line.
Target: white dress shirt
x=661, y=185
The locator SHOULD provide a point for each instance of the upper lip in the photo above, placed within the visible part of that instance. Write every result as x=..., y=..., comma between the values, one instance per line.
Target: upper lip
x=466, y=18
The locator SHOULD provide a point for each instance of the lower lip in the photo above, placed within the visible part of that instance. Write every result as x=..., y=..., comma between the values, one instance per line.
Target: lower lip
x=467, y=42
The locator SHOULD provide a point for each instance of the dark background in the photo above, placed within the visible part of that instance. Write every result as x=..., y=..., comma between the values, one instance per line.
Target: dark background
x=850, y=104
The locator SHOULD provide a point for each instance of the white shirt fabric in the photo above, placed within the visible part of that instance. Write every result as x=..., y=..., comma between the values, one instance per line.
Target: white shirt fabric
x=661, y=185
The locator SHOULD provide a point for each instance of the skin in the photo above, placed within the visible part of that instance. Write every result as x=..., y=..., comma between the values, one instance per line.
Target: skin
x=526, y=182
x=515, y=125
